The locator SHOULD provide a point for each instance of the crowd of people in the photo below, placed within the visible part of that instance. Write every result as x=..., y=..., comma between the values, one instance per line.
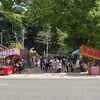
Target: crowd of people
x=61, y=64
x=52, y=64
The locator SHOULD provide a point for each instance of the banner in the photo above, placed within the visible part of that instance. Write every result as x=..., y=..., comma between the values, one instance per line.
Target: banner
x=9, y=52
x=24, y=53
x=90, y=52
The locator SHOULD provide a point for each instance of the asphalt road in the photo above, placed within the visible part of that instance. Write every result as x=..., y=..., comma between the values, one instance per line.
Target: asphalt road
x=49, y=89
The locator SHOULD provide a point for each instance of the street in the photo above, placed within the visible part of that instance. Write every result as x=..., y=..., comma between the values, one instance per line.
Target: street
x=49, y=89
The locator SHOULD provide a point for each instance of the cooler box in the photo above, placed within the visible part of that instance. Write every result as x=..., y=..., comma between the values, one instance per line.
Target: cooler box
x=7, y=70
x=95, y=70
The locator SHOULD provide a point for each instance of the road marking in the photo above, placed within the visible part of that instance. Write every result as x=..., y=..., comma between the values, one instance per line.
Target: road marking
x=3, y=84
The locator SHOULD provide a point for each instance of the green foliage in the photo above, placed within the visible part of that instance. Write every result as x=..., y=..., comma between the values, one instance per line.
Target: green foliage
x=10, y=22
x=7, y=5
x=73, y=22
x=40, y=42
x=79, y=18
x=6, y=30
x=83, y=23
x=57, y=39
x=16, y=21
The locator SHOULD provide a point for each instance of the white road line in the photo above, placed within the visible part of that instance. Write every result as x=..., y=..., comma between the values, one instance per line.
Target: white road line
x=3, y=84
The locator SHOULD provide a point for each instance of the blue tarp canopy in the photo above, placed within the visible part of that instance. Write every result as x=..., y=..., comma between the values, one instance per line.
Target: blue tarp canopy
x=76, y=52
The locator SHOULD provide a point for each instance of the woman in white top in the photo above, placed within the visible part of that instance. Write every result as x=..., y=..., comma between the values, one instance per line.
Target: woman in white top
x=54, y=65
x=59, y=66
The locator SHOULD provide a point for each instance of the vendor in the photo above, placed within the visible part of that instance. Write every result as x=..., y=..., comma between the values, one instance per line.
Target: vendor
x=8, y=61
x=18, y=66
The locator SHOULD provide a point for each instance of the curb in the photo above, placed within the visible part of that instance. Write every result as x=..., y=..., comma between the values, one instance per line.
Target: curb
x=50, y=76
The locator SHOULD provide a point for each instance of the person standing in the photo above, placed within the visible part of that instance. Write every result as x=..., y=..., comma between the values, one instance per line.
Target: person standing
x=50, y=65
x=59, y=66
x=54, y=64
x=41, y=63
x=46, y=62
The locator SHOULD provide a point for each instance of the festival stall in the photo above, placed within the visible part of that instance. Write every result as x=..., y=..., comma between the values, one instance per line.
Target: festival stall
x=7, y=55
x=93, y=54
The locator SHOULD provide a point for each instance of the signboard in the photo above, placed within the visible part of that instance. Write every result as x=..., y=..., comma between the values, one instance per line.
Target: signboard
x=90, y=52
x=9, y=52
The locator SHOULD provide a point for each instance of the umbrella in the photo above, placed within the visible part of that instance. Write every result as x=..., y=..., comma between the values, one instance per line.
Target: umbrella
x=76, y=52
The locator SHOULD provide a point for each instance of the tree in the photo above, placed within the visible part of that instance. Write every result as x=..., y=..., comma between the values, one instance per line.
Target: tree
x=12, y=17
x=33, y=33
x=83, y=23
x=6, y=30
x=72, y=22
x=40, y=42
x=57, y=39
x=78, y=18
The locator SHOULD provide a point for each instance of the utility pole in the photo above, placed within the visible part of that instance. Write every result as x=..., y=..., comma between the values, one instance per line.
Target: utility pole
x=46, y=30
x=23, y=37
x=47, y=45
x=1, y=38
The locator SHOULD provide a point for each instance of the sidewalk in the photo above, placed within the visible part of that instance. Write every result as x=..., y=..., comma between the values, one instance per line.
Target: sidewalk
x=51, y=76
x=38, y=74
